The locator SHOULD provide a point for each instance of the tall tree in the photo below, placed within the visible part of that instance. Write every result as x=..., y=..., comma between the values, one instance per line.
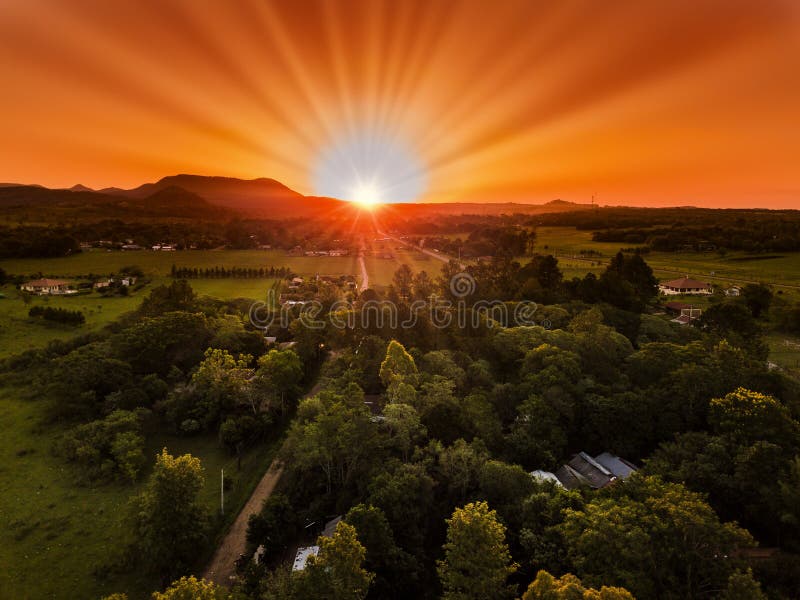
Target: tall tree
x=336, y=572
x=278, y=375
x=397, y=365
x=169, y=522
x=191, y=588
x=569, y=587
x=477, y=561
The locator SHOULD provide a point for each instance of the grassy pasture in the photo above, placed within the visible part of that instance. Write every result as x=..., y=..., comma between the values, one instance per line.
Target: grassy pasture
x=774, y=268
x=158, y=264
x=50, y=524
x=18, y=332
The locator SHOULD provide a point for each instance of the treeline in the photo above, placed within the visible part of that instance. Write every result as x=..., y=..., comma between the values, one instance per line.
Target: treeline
x=58, y=315
x=486, y=241
x=229, y=272
x=674, y=229
x=36, y=242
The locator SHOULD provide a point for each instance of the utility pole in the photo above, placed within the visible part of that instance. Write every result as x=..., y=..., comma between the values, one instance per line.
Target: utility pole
x=222, y=491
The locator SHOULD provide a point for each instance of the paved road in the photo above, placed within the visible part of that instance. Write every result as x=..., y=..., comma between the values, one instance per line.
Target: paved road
x=437, y=255
x=363, y=265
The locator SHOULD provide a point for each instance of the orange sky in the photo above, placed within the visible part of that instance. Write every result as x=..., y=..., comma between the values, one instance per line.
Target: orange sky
x=646, y=102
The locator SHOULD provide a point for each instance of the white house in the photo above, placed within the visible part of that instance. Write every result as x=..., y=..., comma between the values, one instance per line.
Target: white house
x=685, y=285
x=734, y=290
x=48, y=287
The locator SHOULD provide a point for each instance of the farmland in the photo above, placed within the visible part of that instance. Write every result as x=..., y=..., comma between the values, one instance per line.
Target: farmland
x=158, y=264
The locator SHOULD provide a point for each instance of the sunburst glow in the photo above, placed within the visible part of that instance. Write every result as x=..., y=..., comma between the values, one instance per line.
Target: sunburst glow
x=369, y=169
x=435, y=101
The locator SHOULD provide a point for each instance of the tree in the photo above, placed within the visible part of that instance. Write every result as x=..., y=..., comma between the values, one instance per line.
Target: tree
x=397, y=365
x=656, y=539
x=278, y=375
x=402, y=281
x=219, y=385
x=477, y=560
x=336, y=572
x=404, y=427
x=742, y=586
x=395, y=570
x=569, y=587
x=337, y=441
x=191, y=588
x=747, y=416
x=273, y=527
x=168, y=520
x=757, y=297
x=177, y=296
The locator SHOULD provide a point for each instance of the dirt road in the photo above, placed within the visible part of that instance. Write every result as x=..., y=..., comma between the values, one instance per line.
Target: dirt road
x=221, y=568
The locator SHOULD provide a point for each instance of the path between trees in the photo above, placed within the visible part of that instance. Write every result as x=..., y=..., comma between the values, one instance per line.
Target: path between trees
x=222, y=567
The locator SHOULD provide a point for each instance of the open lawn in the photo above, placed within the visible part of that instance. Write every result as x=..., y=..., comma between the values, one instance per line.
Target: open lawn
x=158, y=264
x=733, y=267
x=50, y=525
x=19, y=332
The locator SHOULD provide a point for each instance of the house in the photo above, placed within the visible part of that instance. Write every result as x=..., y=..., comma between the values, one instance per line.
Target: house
x=131, y=247
x=687, y=316
x=542, y=476
x=685, y=285
x=297, y=280
x=48, y=287
x=598, y=472
x=306, y=552
x=128, y=281
x=102, y=284
x=733, y=291
x=676, y=307
x=302, y=556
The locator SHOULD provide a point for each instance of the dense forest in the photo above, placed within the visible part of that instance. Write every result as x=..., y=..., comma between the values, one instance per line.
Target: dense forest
x=422, y=439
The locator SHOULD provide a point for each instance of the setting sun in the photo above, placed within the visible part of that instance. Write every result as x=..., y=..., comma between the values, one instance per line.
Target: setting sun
x=366, y=194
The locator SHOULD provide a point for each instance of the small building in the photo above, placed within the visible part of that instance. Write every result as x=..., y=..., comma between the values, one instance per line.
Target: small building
x=306, y=552
x=733, y=291
x=676, y=307
x=542, y=476
x=302, y=556
x=687, y=316
x=685, y=285
x=596, y=473
x=48, y=287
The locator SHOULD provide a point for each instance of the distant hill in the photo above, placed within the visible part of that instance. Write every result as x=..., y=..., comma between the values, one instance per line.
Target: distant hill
x=34, y=203
x=500, y=208
x=261, y=197
x=200, y=196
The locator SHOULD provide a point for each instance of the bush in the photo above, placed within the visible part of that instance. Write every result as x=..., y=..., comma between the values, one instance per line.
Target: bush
x=58, y=315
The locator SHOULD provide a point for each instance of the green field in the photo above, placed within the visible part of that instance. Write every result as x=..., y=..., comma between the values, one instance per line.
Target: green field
x=18, y=332
x=50, y=525
x=158, y=264
x=733, y=267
